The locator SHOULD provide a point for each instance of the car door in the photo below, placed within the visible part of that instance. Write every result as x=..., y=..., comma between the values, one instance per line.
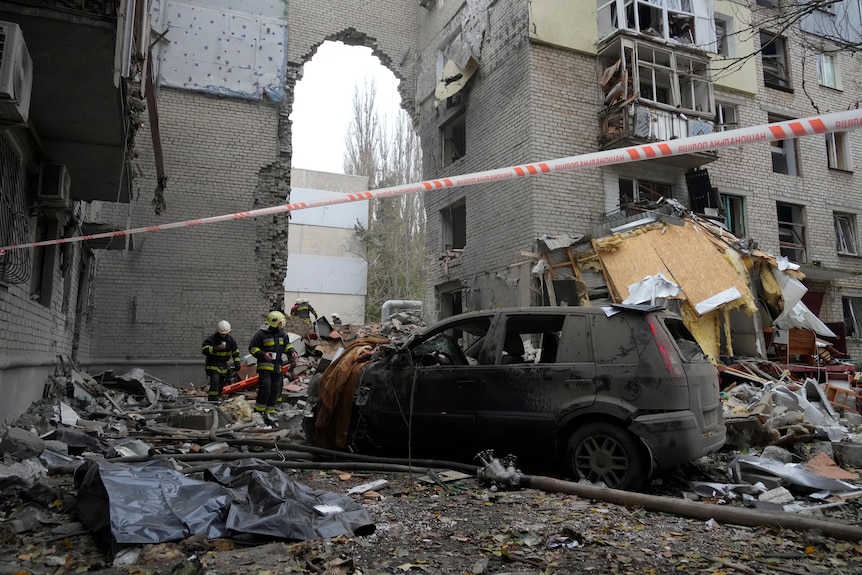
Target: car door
x=523, y=399
x=433, y=404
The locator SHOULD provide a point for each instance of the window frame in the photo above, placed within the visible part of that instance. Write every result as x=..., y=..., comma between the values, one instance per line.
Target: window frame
x=795, y=228
x=774, y=47
x=721, y=123
x=785, y=149
x=853, y=323
x=846, y=234
x=839, y=153
x=734, y=213
x=822, y=78
x=453, y=221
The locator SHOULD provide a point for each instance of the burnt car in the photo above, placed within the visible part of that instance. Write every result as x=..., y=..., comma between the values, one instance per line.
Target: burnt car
x=604, y=394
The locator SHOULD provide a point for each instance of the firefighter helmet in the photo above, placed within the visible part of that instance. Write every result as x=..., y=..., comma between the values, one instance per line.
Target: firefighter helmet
x=275, y=318
x=223, y=327
x=299, y=300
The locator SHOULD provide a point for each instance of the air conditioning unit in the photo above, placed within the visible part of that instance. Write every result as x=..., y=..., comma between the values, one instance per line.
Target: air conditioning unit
x=16, y=76
x=55, y=186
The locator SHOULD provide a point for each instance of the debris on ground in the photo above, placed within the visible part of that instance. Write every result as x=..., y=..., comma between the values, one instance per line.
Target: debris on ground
x=129, y=474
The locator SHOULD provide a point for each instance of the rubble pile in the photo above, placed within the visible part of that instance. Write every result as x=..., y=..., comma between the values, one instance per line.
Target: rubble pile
x=115, y=471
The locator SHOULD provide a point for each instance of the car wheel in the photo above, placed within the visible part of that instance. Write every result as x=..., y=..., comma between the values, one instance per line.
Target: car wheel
x=607, y=453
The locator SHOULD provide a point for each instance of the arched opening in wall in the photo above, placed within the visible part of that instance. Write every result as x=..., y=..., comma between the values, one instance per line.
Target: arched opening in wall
x=350, y=134
x=341, y=89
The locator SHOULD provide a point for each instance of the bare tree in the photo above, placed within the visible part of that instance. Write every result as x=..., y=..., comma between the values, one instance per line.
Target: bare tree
x=394, y=239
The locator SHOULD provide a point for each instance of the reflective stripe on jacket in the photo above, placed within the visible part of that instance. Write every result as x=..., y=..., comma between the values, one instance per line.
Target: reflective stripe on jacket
x=270, y=340
x=216, y=359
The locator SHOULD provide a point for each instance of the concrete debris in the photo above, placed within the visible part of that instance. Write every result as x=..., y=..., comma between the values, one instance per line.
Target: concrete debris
x=135, y=424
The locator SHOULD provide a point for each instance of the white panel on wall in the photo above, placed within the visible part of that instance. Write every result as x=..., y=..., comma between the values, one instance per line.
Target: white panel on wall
x=221, y=48
x=336, y=216
x=326, y=274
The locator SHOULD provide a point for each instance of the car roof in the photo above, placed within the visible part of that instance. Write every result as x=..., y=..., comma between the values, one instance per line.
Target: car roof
x=556, y=310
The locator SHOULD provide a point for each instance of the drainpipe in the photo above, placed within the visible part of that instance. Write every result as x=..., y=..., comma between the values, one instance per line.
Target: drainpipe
x=393, y=306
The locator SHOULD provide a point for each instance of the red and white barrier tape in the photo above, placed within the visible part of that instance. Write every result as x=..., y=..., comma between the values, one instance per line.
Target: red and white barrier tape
x=835, y=122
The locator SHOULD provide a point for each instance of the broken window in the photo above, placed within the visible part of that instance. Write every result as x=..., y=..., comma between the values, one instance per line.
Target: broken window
x=634, y=69
x=454, y=219
x=695, y=86
x=783, y=153
x=655, y=73
x=725, y=117
x=453, y=135
x=852, y=317
x=827, y=70
x=683, y=21
x=642, y=193
x=845, y=234
x=532, y=339
x=734, y=214
x=723, y=29
x=773, y=54
x=838, y=152
x=791, y=231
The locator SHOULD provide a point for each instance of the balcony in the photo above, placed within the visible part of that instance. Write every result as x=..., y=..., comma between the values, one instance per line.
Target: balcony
x=653, y=92
x=637, y=123
x=78, y=114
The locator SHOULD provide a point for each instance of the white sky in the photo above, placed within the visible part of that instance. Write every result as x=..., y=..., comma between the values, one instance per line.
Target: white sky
x=323, y=100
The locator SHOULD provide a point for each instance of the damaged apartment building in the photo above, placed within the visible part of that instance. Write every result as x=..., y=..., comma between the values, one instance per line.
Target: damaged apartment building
x=548, y=80
x=176, y=110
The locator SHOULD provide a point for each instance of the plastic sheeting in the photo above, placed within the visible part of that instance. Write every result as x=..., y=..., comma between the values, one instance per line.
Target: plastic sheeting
x=248, y=500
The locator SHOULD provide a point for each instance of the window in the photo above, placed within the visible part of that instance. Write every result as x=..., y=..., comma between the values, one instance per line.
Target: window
x=655, y=72
x=852, y=317
x=44, y=258
x=845, y=234
x=783, y=153
x=768, y=3
x=773, y=53
x=838, y=151
x=725, y=117
x=668, y=19
x=454, y=138
x=532, y=339
x=454, y=218
x=791, y=231
x=642, y=192
x=723, y=31
x=638, y=69
x=827, y=70
x=734, y=214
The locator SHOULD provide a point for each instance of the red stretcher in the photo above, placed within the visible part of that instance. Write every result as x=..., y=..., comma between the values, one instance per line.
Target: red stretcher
x=249, y=381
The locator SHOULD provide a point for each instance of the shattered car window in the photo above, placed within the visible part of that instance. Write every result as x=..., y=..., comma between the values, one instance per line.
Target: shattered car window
x=458, y=344
x=532, y=339
x=688, y=346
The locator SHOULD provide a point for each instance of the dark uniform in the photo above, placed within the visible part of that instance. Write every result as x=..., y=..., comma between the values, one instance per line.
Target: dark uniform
x=217, y=356
x=274, y=341
x=303, y=310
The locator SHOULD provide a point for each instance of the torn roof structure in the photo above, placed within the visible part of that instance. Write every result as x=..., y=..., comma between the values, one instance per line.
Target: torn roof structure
x=730, y=295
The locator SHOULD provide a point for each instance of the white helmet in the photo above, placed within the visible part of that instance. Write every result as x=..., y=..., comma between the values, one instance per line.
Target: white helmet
x=223, y=327
x=299, y=300
x=335, y=315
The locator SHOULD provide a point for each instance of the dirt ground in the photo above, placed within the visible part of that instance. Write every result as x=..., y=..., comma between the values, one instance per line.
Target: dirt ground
x=460, y=527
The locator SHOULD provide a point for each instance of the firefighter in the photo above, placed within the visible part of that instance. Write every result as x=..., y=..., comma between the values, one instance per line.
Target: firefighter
x=267, y=346
x=303, y=310
x=218, y=349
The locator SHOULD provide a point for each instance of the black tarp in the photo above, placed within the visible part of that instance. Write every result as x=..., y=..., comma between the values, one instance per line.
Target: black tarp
x=133, y=504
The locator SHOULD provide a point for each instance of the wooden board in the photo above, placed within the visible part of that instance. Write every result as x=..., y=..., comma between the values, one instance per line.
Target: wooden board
x=685, y=254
